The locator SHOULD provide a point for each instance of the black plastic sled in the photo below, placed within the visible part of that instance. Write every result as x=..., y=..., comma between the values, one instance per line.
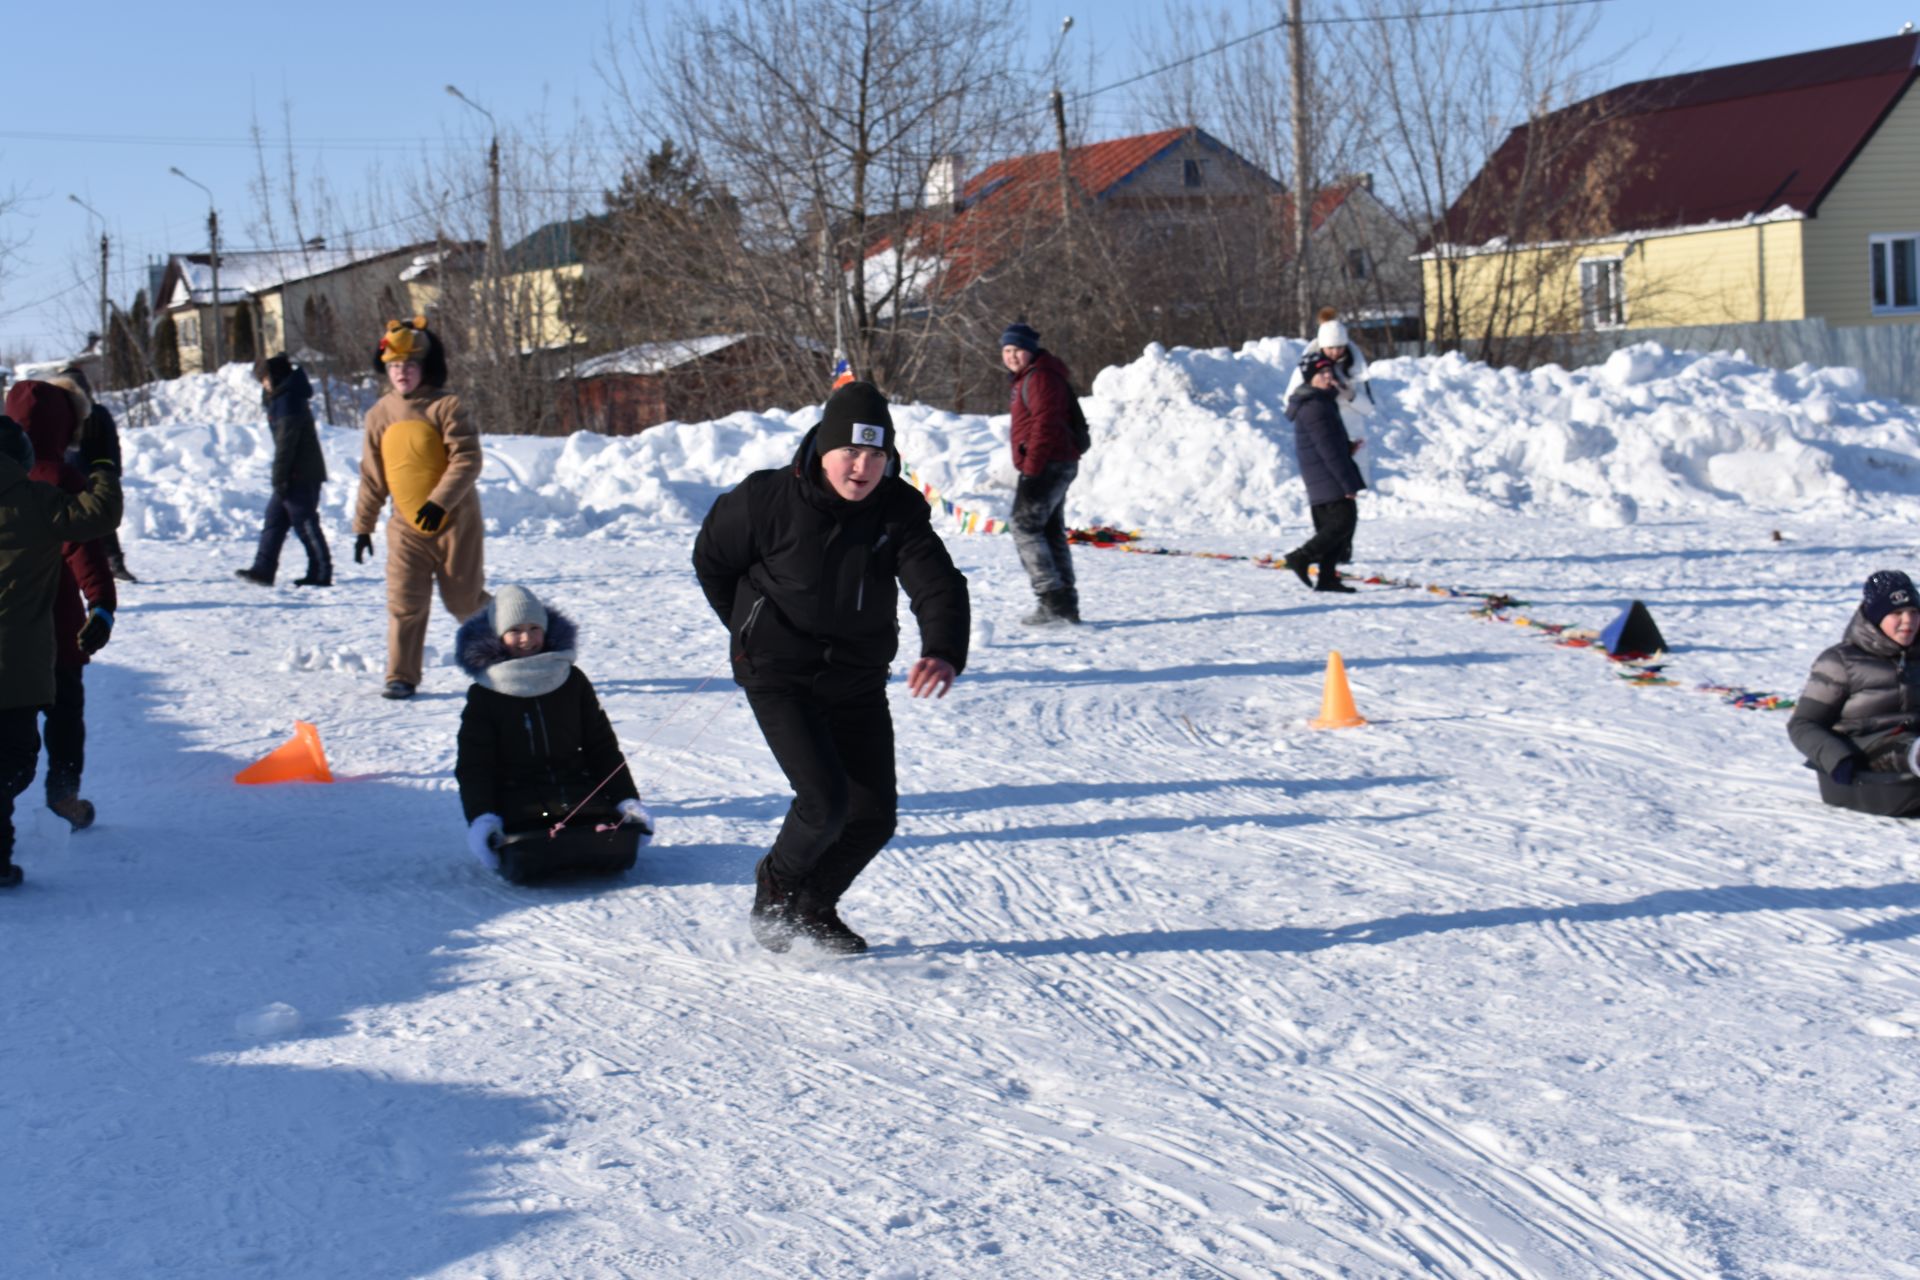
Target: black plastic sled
x=531, y=857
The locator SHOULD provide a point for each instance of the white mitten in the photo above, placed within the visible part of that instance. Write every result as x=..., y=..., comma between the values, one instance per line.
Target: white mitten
x=636, y=813
x=486, y=831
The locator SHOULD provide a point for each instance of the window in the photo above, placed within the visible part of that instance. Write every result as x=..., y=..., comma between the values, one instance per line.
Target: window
x=1895, y=262
x=1603, y=294
x=1359, y=264
x=1193, y=173
x=190, y=329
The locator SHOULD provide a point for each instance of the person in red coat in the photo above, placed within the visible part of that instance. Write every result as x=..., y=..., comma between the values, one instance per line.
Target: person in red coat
x=1047, y=458
x=51, y=412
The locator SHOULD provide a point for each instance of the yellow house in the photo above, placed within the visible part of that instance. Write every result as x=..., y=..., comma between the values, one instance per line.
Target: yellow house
x=1785, y=189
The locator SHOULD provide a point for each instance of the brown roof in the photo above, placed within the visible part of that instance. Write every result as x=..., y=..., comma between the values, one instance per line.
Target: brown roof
x=1717, y=145
x=1004, y=201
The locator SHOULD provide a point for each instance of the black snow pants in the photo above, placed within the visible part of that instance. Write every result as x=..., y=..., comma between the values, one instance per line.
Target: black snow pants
x=19, y=756
x=833, y=736
x=66, y=733
x=1332, y=540
x=296, y=509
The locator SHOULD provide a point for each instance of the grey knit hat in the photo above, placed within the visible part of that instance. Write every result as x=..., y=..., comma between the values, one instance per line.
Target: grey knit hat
x=515, y=607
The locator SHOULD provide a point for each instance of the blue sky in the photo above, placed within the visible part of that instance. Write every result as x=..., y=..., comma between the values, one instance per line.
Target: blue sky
x=120, y=90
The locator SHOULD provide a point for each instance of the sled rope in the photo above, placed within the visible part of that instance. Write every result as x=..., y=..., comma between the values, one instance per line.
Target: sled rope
x=666, y=720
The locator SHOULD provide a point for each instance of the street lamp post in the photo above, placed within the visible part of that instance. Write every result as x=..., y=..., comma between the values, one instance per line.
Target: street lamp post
x=106, y=361
x=493, y=184
x=213, y=252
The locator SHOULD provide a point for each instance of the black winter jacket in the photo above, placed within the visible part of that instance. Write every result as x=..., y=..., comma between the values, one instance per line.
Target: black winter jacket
x=805, y=580
x=297, y=458
x=1862, y=701
x=1324, y=449
x=533, y=759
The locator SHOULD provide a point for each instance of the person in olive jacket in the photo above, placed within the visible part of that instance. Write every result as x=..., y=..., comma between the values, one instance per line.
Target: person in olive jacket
x=299, y=469
x=1858, y=720
x=535, y=746
x=801, y=564
x=36, y=520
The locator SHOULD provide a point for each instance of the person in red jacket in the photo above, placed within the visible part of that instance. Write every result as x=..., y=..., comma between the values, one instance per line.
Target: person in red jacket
x=51, y=413
x=1048, y=460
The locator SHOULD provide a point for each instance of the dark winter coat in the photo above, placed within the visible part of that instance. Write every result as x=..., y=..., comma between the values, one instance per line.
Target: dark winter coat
x=1862, y=702
x=532, y=759
x=35, y=521
x=1042, y=420
x=805, y=580
x=297, y=459
x=50, y=412
x=1324, y=449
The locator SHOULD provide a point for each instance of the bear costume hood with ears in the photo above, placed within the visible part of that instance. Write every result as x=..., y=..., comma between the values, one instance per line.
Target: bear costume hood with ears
x=412, y=340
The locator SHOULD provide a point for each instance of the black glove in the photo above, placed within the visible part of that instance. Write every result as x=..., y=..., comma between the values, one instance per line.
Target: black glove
x=1843, y=772
x=99, y=442
x=96, y=632
x=429, y=516
x=362, y=546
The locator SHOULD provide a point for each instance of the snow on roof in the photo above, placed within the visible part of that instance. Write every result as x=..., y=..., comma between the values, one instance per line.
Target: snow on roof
x=655, y=357
x=245, y=272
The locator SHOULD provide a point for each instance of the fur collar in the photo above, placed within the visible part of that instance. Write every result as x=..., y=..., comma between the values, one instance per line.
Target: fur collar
x=483, y=655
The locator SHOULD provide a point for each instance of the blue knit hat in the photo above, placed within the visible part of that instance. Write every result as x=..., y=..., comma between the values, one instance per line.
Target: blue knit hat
x=1020, y=335
x=1887, y=590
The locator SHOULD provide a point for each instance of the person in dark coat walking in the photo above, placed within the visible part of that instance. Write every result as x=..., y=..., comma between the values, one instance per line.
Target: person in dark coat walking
x=800, y=563
x=1325, y=453
x=1048, y=459
x=57, y=414
x=1858, y=720
x=36, y=521
x=299, y=469
x=535, y=748
x=101, y=426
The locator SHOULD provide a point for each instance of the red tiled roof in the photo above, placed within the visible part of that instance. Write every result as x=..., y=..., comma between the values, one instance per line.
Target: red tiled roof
x=1005, y=201
x=1721, y=144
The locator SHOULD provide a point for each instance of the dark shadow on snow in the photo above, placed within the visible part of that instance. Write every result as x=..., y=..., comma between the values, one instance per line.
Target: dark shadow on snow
x=1710, y=900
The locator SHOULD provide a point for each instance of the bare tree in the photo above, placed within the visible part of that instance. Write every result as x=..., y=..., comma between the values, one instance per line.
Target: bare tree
x=821, y=120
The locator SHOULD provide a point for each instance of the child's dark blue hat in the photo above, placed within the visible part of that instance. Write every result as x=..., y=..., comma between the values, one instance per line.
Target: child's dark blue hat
x=1023, y=336
x=1887, y=590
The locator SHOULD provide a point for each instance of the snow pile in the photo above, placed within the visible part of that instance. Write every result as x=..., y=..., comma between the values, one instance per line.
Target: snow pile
x=1186, y=441
x=228, y=398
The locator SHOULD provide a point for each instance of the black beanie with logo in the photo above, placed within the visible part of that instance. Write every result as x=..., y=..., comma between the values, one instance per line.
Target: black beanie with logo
x=1887, y=590
x=855, y=414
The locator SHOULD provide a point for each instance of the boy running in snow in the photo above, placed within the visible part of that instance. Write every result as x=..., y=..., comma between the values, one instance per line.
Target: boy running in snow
x=800, y=563
x=534, y=743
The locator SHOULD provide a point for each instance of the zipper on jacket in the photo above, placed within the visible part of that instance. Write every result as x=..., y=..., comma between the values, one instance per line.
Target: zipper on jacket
x=753, y=616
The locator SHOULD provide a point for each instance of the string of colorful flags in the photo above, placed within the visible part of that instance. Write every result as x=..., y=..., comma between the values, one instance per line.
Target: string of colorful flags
x=1636, y=668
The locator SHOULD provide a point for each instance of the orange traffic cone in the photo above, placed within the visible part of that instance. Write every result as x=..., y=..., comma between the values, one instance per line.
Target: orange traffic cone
x=1336, y=702
x=299, y=759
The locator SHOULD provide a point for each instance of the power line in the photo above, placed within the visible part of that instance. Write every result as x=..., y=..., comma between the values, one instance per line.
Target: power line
x=1337, y=20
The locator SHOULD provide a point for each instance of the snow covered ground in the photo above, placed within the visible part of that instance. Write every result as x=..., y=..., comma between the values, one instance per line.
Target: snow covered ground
x=1540, y=974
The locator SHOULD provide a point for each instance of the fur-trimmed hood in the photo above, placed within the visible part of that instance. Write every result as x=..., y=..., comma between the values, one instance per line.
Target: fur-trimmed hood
x=484, y=656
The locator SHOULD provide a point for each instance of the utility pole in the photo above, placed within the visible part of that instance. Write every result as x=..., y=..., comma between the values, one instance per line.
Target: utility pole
x=1302, y=191
x=213, y=253
x=106, y=363
x=1059, y=103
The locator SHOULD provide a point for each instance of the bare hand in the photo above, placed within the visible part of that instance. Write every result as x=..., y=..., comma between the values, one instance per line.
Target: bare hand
x=930, y=676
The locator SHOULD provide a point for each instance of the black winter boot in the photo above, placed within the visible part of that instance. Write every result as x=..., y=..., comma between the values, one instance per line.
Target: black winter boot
x=1066, y=603
x=819, y=922
x=314, y=580
x=117, y=566
x=772, y=916
x=78, y=813
x=1330, y=581
x=257, y=579
x=1298, y=563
